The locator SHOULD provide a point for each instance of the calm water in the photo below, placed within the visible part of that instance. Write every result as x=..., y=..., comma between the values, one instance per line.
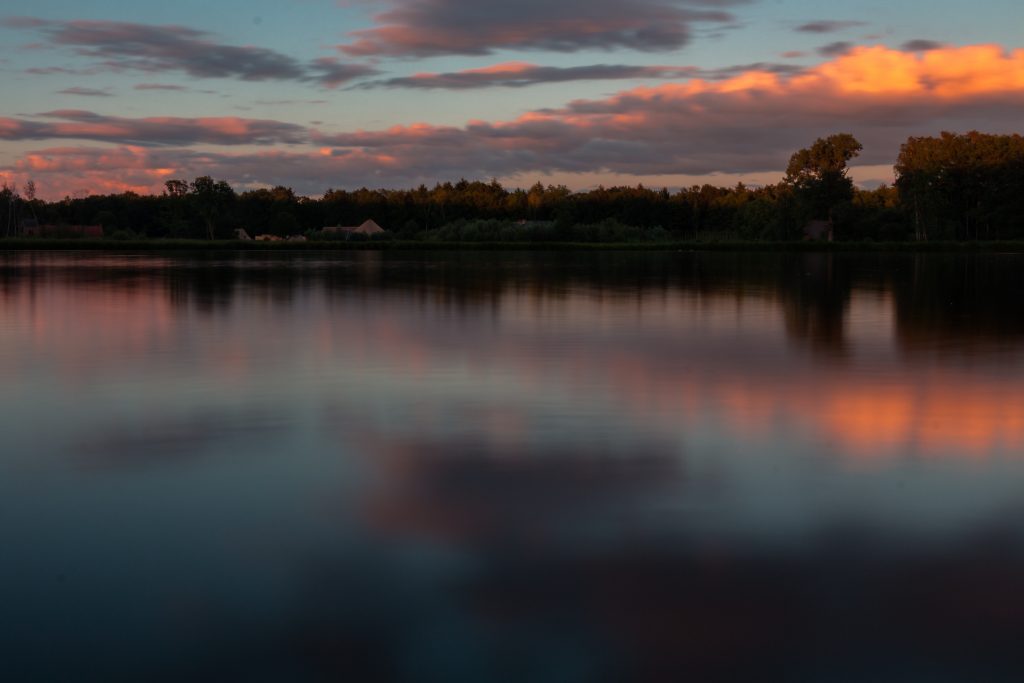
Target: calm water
x=522, y=467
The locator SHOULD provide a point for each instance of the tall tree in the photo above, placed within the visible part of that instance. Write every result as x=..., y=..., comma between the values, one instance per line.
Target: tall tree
x=963, y=186
x=211, y=199
x=820, y=176
x=176, y=188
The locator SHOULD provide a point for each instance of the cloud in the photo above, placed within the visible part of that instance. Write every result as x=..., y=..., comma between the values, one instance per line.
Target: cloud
x=829, y=26
x=84, y=92
x=22, y=22
x=331, y=72
x=749, y=123
x=153, y=131
x=419, y=28
x=160, y=86
x=521, y=74
x=275, y=103
x=60, y=70
x=836, y=49
x=122, y=46
x=921, y=45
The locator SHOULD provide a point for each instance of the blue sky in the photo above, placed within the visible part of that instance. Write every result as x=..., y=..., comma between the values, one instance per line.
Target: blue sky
x=224, y=65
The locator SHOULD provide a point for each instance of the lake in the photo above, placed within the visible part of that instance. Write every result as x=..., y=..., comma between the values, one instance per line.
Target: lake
x=504, y=466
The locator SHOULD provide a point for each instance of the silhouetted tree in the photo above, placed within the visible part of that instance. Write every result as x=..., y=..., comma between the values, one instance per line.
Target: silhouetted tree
x=819, y=174
x=176, y=188
x=963, y=186
x=210, y=198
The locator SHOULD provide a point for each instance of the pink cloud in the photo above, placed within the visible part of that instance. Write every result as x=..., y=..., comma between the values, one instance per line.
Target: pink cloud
x=72, y=171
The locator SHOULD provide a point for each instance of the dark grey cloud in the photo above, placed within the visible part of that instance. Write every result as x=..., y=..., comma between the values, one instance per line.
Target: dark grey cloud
x=726, y=72
x=829, y=26
x=60, y=71
x=332, y=72
x=920, y=45
x=155, y=131
x=421, y=28
x=165, y=87
x=518, y=75
x=84, y=92
x=122, y=46
x=275, y=103
x=160, y=86
x=837, y=49
x=128, y=46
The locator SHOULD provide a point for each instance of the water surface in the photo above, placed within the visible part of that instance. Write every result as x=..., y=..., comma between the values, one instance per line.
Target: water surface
x=512, y=466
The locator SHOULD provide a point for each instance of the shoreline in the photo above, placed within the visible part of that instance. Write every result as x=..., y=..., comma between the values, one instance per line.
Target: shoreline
x=35, y=244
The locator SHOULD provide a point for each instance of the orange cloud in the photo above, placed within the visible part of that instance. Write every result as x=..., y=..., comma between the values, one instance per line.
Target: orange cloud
x=503, y=68
x=948, y=73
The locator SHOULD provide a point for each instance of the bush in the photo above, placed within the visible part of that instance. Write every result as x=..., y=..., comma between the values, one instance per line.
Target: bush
x=123, y=235
x=478, y=231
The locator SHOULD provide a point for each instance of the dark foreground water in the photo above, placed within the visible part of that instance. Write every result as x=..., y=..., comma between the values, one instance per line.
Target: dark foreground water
x=512, y=467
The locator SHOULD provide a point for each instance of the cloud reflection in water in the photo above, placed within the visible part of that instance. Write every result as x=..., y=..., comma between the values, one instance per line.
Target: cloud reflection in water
x=518, y=466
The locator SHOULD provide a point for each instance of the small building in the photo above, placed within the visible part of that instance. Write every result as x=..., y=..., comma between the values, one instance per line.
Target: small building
x=242, y=235
x=368, y=228
x=297, y=238
x=267, y=238
x=818, y=230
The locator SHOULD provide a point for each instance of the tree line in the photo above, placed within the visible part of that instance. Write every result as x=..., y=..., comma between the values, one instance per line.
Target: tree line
x=951, y=187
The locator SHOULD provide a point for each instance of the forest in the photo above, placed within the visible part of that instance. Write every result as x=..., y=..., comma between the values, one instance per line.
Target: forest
x=954, y=187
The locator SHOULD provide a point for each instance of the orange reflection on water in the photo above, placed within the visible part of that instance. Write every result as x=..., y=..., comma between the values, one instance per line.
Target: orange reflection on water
x=80, y=330
x=671, y=363
x=866, y=411
x=946, y=415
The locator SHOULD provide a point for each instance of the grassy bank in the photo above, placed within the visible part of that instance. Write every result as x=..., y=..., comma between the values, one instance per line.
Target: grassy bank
x=35, y=244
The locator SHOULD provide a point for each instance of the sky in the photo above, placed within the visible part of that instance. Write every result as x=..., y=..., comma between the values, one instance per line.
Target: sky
x=108, y=96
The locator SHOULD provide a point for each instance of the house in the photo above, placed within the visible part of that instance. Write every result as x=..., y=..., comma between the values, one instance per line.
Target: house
x=267, y=238
x=242, y=235
x=297, y=238
x=818, y=230
x=368, y=228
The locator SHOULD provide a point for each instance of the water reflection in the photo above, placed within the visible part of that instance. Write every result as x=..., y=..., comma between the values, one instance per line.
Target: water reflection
x=499, y=466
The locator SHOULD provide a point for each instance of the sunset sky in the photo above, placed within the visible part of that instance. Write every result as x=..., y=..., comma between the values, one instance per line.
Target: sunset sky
x=315, y=94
